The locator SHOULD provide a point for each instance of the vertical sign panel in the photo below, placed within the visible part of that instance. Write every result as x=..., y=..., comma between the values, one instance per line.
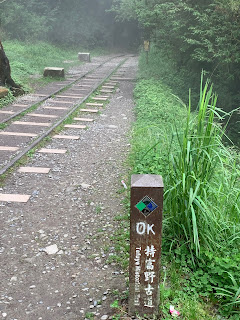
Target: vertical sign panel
x=146, y=45
x=145, y=243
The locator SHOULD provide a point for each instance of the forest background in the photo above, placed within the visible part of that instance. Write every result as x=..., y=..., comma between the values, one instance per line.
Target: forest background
x=193, y=35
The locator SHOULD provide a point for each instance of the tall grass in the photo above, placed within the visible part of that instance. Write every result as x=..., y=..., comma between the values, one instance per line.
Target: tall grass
x=201, y=225
x=200, y=175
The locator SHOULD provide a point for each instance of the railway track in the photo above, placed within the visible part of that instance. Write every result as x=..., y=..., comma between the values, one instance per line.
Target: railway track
x=34, y=117
x=57, y=211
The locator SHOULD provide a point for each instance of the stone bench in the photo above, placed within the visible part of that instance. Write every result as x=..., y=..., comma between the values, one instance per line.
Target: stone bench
x=54, y=72
x=84, y=57
x=3, y=92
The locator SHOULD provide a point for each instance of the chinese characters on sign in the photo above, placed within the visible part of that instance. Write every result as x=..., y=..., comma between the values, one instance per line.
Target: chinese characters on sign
x=149, y=275
x=145, y=243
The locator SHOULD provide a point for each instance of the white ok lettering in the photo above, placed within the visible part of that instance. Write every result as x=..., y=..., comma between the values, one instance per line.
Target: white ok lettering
x=150, y=228
x=143, y=227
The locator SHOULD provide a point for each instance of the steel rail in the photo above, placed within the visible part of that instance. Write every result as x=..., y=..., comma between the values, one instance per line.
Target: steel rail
x=5, y=168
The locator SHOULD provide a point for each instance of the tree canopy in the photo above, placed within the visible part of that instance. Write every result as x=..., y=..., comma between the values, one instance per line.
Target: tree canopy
x=57, y=21
x=88, y=23
x=197, y=35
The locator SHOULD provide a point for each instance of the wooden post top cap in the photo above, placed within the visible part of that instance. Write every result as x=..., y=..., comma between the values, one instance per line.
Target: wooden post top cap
x=53, y=68
x=147, y=180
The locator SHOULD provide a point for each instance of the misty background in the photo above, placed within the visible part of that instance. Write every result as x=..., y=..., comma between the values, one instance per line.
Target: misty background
x=188, y=35
x=87, y=23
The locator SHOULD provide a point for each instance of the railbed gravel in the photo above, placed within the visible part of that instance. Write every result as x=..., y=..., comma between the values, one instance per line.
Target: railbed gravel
x=53, y=262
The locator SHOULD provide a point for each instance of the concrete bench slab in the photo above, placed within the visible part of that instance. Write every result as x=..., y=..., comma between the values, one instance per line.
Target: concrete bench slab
x=54, y=72
x=3, y=92
x=84, y=57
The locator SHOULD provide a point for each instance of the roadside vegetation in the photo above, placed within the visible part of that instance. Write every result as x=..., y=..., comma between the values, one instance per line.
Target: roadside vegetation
x=191, y=138
x=201, y=227
x=192, y=36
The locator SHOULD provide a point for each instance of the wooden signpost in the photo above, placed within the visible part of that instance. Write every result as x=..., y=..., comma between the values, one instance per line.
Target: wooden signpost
x=145, y=243
x=146, y=45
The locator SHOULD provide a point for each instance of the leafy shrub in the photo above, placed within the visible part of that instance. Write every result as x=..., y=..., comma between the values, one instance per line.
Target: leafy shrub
x=215, y=277
x=6, y=100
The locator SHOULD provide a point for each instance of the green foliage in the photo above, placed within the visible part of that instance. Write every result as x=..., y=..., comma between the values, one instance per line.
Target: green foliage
x=200, y=174
x=215, y=277
x=89, y=315
x=219, y=276
x=6, y=100
x=121, y=239
x=115, y=304
x=157, y=111
x=24, y=19
x=194, y=172
x=190, y=307
x=176, y=290
x=201, y=226
x=29, y=60
x=88, y=24
x=200, y=30
x=81, y=22
x=194, y=35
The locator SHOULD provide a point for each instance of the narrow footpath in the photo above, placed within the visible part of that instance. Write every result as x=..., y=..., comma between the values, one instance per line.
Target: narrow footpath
x=54, y=248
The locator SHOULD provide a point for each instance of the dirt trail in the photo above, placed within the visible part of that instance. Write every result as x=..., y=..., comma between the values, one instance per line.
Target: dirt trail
x=72, y=208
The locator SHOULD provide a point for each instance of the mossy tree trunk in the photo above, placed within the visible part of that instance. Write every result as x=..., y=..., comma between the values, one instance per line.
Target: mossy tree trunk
x=5, y=73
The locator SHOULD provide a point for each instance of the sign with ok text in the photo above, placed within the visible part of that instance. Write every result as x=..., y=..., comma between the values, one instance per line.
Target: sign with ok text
x=145, y=243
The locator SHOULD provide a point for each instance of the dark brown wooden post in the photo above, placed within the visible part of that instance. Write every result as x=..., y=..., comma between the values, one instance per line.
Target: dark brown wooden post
x=5, y=73
x=145, y=243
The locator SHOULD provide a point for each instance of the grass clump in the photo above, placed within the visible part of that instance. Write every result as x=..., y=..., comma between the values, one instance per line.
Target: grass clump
x=198, y=176
x=6, y=100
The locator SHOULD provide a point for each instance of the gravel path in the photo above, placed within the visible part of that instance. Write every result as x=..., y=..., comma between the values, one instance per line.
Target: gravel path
x=71, y=212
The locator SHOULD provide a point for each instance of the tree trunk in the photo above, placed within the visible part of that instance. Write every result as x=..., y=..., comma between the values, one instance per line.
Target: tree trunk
x=5, y=74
